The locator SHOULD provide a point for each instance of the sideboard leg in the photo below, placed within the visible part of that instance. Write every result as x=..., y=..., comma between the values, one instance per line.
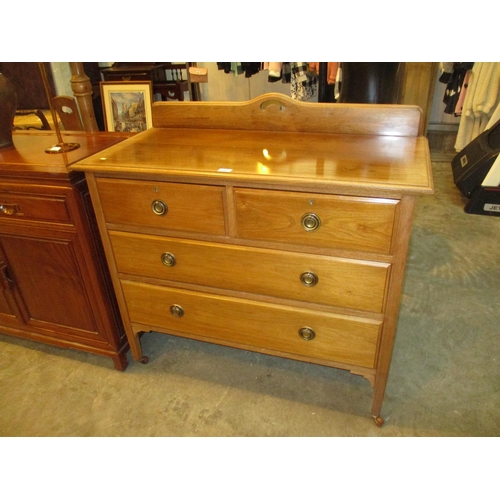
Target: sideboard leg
x=120, y=361
x=379, y=421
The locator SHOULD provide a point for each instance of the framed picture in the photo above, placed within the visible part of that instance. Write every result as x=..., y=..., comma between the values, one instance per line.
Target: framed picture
x=127, y=105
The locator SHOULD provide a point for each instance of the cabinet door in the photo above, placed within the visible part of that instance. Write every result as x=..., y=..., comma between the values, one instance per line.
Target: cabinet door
x=9, y=312
x=48, y=281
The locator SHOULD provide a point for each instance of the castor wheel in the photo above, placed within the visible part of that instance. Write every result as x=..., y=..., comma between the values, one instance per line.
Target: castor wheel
x=144, y=360
x=379, y=421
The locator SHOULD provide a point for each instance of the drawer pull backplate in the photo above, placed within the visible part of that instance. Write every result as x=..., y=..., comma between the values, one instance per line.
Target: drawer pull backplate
x=9, y=209
x=177, y=311
x=159, y=207
x=307, y=333
x=310, y=222
x=168, y=259
x=309, y=279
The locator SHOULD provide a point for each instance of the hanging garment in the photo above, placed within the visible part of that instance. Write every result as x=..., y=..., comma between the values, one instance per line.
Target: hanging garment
x=236, y=68
x=286, y=72
x=446, y=72
x=463, y=93
x=239, y=68
x=338, y=83
x=454, y=86
x=275, y=69
x=313, y=67
x=483, y=96
x=332, y=71
x=250, y=68
x=224, y=66
x=303, y=83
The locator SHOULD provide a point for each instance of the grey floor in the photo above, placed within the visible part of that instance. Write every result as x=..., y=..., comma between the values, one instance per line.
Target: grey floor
x=444, y=379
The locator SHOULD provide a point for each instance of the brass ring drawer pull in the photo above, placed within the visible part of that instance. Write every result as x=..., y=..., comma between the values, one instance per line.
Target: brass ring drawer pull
x=159, y=207
x=307, y=333
x=168, y=259
x=310, y=222
x=309, y=279
x=177, y=311
x=9, y=209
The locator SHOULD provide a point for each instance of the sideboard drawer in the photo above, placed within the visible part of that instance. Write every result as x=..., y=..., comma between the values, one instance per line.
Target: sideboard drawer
x=33, y=206
x=163, y=205
x=332, y=337
x=312, y=278
x=346, y=222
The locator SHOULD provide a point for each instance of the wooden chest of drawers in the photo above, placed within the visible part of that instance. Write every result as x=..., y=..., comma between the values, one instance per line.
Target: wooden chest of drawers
x=265, y=226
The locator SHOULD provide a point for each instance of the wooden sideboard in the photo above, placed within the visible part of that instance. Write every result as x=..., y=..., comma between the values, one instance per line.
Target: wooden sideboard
x=54, y=282
x=270, y=225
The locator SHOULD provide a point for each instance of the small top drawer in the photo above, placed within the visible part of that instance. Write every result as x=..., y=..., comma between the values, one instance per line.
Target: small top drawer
x=33, y=206
x=163, y=205
x=327, y=221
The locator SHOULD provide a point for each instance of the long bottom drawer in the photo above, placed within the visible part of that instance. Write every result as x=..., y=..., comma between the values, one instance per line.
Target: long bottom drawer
x=333, y=337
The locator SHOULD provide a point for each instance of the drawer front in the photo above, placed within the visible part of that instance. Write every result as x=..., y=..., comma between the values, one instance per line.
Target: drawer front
x=296, y=276
x=32, y=206
x=163, y=205
x=343, y=339
x=344, y=222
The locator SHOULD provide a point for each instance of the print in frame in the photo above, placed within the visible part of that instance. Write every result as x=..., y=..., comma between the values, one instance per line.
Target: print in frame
x=127, y=105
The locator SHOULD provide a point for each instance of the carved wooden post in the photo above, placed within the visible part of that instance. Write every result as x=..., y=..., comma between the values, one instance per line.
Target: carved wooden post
x=82, y=90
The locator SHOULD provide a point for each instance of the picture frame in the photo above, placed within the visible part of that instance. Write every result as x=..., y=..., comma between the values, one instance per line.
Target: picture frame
x=127, y=105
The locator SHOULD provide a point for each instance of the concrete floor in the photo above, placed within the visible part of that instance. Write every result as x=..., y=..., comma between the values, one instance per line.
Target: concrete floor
x=444, y=379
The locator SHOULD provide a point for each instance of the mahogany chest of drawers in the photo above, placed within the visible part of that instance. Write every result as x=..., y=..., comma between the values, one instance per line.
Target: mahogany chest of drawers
x=270, y=225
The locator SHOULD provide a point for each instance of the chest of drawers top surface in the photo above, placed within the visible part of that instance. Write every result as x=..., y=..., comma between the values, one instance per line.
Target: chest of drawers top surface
x=331, y=147
x=391, y=163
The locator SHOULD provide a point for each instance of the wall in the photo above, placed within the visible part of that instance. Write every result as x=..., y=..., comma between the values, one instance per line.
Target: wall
x=228, y=87
x=61, y=73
